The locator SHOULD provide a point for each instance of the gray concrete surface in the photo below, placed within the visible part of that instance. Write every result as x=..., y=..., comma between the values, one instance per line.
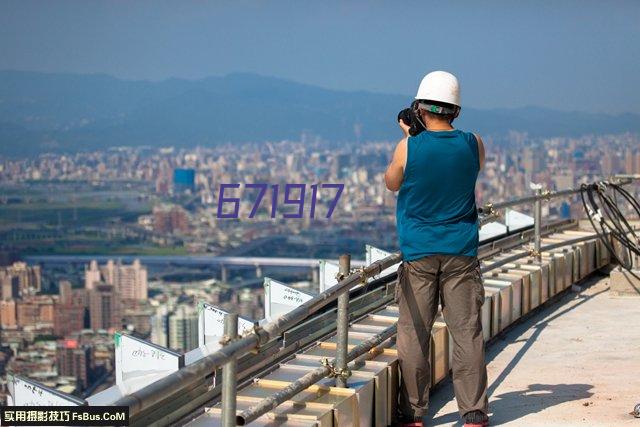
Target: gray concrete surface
x=575, y=362
x=625, y=283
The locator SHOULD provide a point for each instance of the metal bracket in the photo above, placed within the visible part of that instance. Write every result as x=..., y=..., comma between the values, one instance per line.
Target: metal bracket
x=533, y=253
x=488, y=209
x=257, y=329
x=340, y=276
x=360, y=270
x=546, y=194
x=333, y=371
x=344, y=373
x=224, y=340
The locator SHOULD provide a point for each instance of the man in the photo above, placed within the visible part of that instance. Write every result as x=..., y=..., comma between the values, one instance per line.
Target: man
x=435, y=173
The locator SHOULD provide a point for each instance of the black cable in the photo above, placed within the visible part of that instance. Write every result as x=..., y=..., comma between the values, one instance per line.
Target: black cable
x=601, y=203
x=624, y=231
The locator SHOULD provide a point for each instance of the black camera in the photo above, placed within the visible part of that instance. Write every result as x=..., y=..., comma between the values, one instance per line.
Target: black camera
x=410, y=118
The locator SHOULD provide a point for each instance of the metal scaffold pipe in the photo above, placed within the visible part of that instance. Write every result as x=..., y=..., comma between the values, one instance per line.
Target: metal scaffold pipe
x=547, y=195
x=627, y=176
x=537, y=225
x=229, y=374
x=488, y=218
x=311, y=378
x=519, y=256
x=342, y=327
x=191, y=376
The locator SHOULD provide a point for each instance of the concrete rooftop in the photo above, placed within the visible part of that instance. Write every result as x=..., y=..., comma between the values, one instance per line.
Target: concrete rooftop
x=575, y=362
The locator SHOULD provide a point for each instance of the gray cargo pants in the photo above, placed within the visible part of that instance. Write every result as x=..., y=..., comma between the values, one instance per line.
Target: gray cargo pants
x=457, y=282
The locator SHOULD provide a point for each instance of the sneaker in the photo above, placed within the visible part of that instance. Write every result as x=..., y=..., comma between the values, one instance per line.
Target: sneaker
x=476, y=419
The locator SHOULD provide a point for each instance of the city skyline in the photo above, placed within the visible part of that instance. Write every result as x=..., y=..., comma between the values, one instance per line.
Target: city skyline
x=165, y=166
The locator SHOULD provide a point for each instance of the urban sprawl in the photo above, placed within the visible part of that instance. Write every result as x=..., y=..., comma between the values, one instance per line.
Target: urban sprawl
x=75, y=229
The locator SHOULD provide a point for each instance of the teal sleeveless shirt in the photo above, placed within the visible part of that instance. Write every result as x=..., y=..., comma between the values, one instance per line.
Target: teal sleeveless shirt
x=436, y=208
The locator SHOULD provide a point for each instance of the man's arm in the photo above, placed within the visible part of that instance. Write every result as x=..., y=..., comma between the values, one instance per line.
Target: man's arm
x=480, y=150
x=395, y=171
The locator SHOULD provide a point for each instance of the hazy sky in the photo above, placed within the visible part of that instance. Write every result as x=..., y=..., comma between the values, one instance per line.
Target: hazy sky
x=570, y=55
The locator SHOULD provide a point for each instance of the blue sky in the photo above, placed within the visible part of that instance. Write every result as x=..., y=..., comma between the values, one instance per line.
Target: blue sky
x=569, y=55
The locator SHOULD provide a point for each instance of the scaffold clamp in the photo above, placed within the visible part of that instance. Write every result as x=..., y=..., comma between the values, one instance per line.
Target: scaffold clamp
x=333, y=371
x=360, y=270
x=224, y=340
x=259, y=331
x=488, y=209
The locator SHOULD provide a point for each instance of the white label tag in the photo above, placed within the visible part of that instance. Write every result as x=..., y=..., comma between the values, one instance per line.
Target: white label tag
x=211, y=324
x=140, y=363
x=25, y=392
x=328, y=272
x=374, y=254
x=281, y=299
x=515, y=220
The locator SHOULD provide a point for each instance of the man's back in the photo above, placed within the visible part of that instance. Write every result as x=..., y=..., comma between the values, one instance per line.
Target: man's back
x=436, y=202
x=435, y=173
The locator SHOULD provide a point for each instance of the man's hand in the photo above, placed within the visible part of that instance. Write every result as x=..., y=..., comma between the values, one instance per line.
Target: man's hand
x=404, y=127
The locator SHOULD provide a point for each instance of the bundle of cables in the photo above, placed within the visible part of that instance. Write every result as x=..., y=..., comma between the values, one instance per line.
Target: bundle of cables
x=600, y=201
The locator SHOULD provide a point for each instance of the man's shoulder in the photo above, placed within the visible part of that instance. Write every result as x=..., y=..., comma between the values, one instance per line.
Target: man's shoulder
x=472, y=136
x=468, y=133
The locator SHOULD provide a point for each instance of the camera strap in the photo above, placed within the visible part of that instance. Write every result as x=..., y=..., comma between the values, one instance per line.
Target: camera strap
x=437, y=109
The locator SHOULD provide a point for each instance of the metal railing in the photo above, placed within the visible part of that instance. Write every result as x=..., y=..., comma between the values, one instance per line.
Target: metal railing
x=191, y=377
x=327, y=369
x=540, y=195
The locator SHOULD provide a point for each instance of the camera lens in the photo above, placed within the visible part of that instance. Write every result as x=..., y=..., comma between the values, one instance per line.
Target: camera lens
x=406, y=116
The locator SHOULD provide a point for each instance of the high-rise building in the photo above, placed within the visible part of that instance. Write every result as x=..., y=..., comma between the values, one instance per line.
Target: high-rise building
x=183, y=180
x=29, y=278
x=75, y=360
x=129, y=281
x=160, y=326
x=530, y=161
x=629, y=166
x=170, y=219
x=340, y=165
x=68, y=319
x=138, y=319
x=104, y=307
x=65, y=292
x=91, y=275
x=608, y=164
x=10, y=287
x=8, y=314
x=35, y=310
x=183, y=328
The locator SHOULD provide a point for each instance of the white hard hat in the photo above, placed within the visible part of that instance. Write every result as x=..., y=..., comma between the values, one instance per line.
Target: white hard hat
x=440, y=86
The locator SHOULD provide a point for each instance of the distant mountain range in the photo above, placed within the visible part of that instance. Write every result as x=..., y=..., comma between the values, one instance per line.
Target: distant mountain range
x=68, y=112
